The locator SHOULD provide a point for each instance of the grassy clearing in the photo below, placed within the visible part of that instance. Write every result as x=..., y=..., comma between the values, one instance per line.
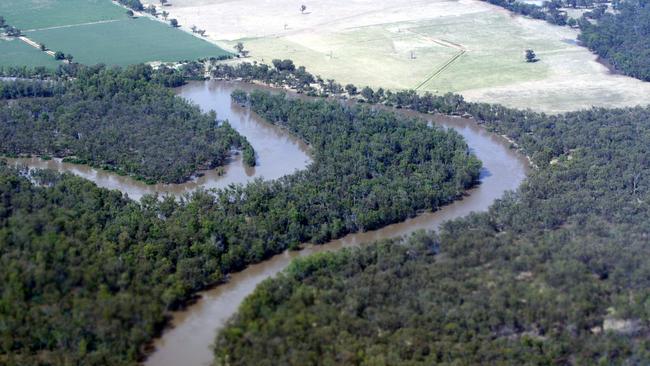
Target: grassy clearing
x=491, y=69
x=15, y=52
x=381, y=55
x=375, y=56
x=126, y=42
x=35, y=14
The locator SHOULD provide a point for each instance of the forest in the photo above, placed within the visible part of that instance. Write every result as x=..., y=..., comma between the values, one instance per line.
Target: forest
x=119, y=120
x=554, y=273
x=622, y=38
x=88, y=276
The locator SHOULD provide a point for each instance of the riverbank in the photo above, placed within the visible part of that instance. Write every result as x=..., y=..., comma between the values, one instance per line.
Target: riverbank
x=191, y=331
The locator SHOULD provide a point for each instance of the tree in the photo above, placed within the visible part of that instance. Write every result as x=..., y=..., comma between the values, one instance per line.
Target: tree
x=165, y=14
x=69, y=58
x=351, y=89
x=530, y=56
x=174, y=23
x=194, y=29
x=303, y=7
x=129, y=13
x=3, y=23
x=42, y=47
x=59, y=55
x=239, y=47
x=163, y=2
x=152, y=10
x=13, y=31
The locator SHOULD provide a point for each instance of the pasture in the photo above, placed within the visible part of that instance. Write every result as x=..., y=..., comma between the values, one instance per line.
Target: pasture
x=464, y=46
x=98, y=31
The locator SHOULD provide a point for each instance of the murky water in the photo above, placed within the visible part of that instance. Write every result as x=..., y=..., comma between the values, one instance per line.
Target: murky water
x=278, y=152
x=192, y=331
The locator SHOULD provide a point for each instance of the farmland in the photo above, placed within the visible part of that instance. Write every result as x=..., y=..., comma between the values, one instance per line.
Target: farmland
x=15, y=52
x=465, y=46
x=99, y=31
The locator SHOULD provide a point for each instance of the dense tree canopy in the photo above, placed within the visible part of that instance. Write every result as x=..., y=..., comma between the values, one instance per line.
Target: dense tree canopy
x=622, y=38
x=115, y=119
x=87, y=276
x=556, y=273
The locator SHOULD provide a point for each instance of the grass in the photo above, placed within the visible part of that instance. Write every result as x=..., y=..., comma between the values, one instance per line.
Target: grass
x=126, y=42
x=35, y=14
x=492, y=68
x=15, y=52
x=381, y=55
x=98, y=31
x=495, y=52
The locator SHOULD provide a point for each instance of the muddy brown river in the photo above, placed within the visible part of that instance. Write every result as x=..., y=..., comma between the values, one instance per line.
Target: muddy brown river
x=188, y=339
x=278, y=153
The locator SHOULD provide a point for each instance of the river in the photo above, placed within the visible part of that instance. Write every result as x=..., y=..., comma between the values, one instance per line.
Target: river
x=278, y=152
x=191, y=332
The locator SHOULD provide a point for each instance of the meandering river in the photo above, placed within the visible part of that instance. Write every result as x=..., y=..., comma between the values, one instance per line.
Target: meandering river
x=278, y=153
x=192, y=331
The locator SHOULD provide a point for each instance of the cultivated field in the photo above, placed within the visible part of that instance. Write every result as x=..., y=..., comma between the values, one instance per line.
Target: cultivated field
x=98, y=31
x=33, y=14
x=463, y=46
x=15, y=52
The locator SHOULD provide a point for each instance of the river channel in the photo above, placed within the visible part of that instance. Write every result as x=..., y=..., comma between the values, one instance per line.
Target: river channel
x=188, y=339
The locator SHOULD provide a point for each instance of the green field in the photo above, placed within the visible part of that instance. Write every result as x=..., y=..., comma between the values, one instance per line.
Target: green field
x=34, y=14
x=125, y=42
x=16, y=52
x=98, y=31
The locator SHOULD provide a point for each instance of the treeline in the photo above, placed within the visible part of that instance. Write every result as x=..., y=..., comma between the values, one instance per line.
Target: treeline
x=622, y=38
x=87, y=276
x=119, y=120
x=555, y=273
x=133, y=4
x=14, y=89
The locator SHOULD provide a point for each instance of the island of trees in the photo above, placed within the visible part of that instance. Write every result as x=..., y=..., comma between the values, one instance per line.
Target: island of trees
x=119, y=120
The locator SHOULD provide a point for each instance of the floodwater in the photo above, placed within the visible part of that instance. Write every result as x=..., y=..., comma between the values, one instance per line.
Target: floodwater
x=192, y=331
x=278, y=152
x=188, y=339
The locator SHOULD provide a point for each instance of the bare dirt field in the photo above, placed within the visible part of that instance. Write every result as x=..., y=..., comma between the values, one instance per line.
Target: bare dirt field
x=463, y=46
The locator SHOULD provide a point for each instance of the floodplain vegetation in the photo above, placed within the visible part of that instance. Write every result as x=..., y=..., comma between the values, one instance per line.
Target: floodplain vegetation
x=118, y=120
x=88, y=276
x=554, y=273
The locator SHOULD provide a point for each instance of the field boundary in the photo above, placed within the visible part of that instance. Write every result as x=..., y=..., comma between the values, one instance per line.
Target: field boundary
x=35, y=45
x=444, y=43
x=441, y=69
x=74, y=25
